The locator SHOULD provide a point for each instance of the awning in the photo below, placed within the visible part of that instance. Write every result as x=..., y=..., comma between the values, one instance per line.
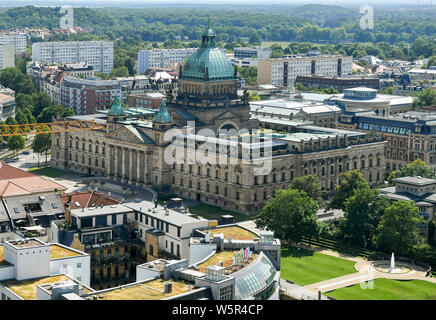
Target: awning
x=34, y=228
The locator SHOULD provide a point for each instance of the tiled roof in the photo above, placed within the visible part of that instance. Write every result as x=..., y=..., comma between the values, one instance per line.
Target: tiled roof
x=27, y=185
x=87, y=199
x=9, y=172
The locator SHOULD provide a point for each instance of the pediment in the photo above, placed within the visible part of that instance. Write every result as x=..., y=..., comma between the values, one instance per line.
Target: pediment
x=125, y=134
x=227, y=115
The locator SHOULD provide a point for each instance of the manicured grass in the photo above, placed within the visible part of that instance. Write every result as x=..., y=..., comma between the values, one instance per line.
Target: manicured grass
x=386, y=289
x=306, y=267
x=48, y=171
x=211, y=212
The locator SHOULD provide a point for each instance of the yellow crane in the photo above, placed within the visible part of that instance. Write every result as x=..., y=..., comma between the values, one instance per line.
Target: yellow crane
x=50, y=127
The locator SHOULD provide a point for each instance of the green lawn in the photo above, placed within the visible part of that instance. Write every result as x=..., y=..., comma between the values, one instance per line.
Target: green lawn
x=385, y=289
x=305, y=267
x=212, y=212
x=48, y=171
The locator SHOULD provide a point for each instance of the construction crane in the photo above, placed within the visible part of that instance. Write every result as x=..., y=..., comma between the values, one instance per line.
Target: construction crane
x=50, y=127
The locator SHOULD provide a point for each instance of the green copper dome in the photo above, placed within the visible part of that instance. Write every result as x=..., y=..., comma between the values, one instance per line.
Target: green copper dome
x=116, y=108
x=163, y=116
x=208, y=62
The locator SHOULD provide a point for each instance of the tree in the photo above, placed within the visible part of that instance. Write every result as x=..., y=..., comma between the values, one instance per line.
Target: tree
x=16, y=143
x=119, y=72
x=351, y=181
x=309, y=184
x=291, y=214
x=56, y=111
x=41, y=101
x=255, y=39
x=416, y=168
x=42, y=144
x=23, y=101
x=363, y=211
x=398, y=230
x=14, y=79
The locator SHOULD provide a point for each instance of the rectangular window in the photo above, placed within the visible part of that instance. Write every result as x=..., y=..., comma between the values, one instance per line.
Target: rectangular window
x=114, y=219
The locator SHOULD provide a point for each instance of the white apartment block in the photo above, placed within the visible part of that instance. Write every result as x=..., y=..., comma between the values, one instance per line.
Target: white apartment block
x=284, y=71
x=254, y=52
x=160, y=58
x=15, y=39
x=98, y=54
x=7, y=56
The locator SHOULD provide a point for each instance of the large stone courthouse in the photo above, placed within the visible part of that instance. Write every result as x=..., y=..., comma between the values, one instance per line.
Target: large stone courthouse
x=132, y=150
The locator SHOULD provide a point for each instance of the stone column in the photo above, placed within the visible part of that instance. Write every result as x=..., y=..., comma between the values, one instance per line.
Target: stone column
x=131, y=168
x=123, y=163
x=116, y=162
x=138, y=166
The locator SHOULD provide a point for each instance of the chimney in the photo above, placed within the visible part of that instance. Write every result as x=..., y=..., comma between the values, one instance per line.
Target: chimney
x=68, y=214
x=168, y=287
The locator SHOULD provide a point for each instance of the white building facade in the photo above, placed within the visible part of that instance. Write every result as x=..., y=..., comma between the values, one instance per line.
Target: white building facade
x=98, y=54
x=161, y=57
x=18, y=41
x=7, y=56
x=284, y=71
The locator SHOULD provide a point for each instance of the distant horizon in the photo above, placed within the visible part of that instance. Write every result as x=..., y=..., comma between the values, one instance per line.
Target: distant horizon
x=139, y=3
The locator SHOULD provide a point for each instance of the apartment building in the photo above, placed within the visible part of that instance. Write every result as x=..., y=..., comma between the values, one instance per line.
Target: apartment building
x=161, y=57
x=98, y=54
x=17, y=40
x=7, y=106
x=86, y=96
x=284, y=71
x=7, y=56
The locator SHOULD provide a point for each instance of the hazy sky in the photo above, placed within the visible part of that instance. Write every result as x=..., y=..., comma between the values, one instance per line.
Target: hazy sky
x=291, y=2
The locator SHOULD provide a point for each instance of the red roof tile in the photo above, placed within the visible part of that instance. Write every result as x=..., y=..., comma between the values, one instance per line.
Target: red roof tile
x=88, y=199
x=9, y=172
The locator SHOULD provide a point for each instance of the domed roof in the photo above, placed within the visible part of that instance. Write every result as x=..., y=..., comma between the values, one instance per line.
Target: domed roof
x=116, y=108
x=163, y=116
x=208, y=62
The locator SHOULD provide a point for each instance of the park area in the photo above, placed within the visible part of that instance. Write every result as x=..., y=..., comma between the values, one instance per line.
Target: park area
x=386, y=289
x=48, y=171
x=305, y=267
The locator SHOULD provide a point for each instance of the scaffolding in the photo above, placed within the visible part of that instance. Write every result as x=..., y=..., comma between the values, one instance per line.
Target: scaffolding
x=51, y=127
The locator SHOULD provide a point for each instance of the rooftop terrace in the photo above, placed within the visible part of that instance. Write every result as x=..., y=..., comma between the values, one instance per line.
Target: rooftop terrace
x=236, y=232
x=27, y=289
x=58, y=252
x=226, y=257
x=2, y=260
x=152, y=290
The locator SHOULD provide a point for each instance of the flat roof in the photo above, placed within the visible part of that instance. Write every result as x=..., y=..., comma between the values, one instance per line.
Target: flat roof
x=173, y=217
x=236, y=232
x=28, y=243
x=226, y=257
x=27, y=288
x=152, y=290
x=95, y=211
x=416, y=180
x=58, y=252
